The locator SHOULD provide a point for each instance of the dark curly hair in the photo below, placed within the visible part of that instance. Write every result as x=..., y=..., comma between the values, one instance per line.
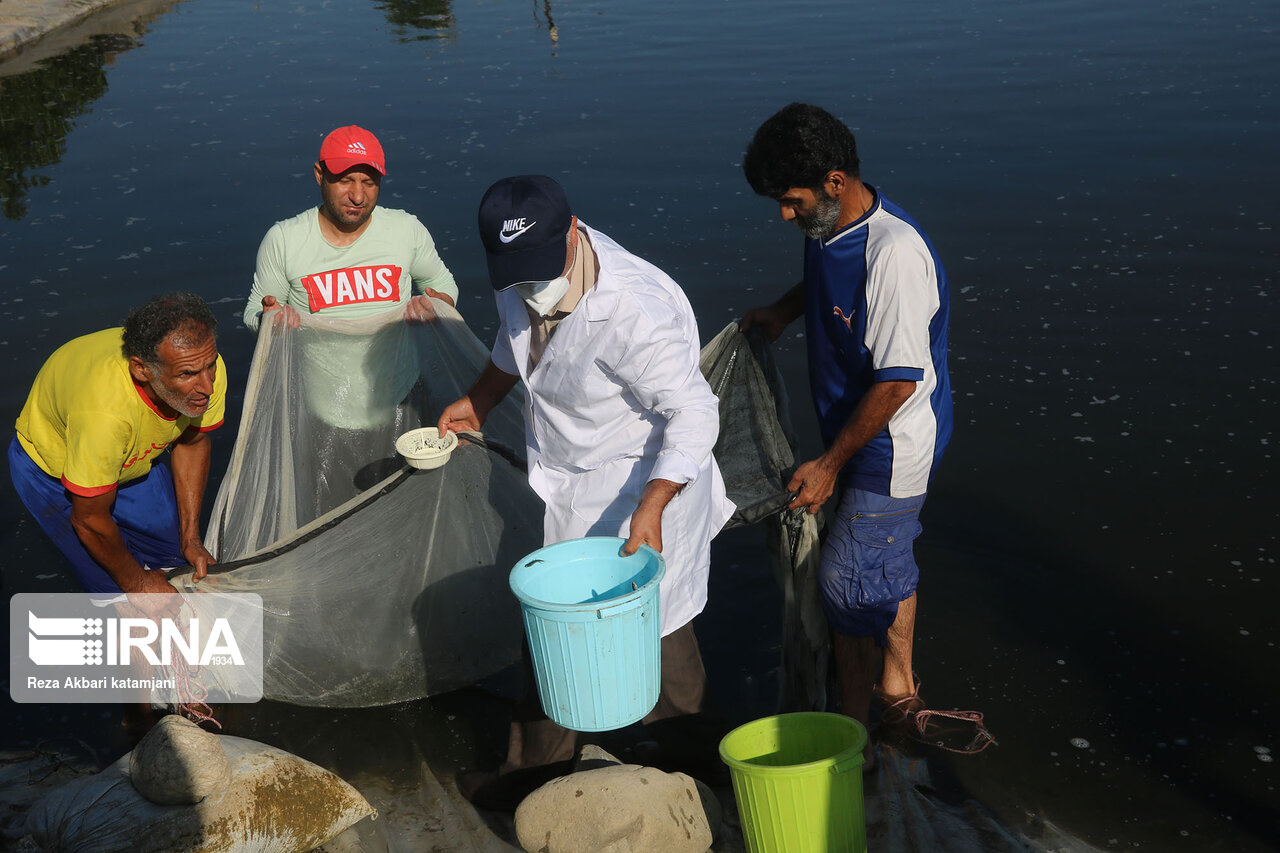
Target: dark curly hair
x=149, y=324
x=796, y=147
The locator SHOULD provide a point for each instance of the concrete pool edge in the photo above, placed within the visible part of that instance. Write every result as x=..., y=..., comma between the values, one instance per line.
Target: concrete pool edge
x=46, y=27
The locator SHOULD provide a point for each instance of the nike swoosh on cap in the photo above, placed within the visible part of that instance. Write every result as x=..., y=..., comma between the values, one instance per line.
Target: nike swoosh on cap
x=507, y=238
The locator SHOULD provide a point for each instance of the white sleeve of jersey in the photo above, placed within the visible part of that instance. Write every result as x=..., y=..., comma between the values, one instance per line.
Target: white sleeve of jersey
x=902, y=297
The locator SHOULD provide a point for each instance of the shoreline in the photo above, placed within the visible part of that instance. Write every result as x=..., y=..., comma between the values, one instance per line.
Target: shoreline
x=23, y=22
x=31, y=30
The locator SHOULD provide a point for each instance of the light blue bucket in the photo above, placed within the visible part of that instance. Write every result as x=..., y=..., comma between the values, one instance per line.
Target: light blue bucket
x=591, y=616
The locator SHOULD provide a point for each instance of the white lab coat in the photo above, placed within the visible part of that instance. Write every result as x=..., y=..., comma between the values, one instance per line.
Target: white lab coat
x=616, y=400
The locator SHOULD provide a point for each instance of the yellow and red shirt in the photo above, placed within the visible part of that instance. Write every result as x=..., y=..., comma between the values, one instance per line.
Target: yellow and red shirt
x=88, y=423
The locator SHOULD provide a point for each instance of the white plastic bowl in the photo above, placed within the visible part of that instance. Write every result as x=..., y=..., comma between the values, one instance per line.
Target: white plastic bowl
x=424, y=448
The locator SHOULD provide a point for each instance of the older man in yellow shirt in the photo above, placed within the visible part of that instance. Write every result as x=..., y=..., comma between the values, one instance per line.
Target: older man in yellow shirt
x=102, y=410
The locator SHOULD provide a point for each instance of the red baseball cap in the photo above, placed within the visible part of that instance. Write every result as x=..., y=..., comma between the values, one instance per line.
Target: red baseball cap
x=352, y=146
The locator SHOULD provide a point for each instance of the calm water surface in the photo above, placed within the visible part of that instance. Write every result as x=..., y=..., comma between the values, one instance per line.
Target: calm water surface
x=1100, y=178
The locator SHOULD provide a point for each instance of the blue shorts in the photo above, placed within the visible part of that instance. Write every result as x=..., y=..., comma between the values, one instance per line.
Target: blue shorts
x=867, y=562
x=145, y=510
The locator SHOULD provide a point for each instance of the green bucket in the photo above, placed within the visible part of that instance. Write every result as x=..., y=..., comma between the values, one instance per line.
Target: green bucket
x=797, y=779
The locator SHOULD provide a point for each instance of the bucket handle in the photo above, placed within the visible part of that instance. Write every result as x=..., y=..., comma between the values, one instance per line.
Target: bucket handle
x=850, y=763
x=606, y=612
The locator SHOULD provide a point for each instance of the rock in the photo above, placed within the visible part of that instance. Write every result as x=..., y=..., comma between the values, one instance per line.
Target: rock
x=178, y=763
x=711, y=808
x=615, y=809
x=593, y=757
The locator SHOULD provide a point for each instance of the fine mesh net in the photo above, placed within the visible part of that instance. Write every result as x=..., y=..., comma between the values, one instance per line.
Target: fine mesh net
x=754, y=448
x=383, y=583
x=324, y=405
x=756, y=456
x=380, y=583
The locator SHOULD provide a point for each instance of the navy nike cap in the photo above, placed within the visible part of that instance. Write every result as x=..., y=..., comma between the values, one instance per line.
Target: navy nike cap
x=523, y=223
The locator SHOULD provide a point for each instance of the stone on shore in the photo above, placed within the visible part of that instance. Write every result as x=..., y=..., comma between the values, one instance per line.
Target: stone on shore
x=618, y=808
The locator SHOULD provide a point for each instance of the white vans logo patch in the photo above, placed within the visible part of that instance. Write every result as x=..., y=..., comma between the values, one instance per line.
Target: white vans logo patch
x=513, y=228
x=352, y=286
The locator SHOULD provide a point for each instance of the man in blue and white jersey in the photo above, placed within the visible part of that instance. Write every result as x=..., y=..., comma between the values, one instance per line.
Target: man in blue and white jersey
x=874, y=298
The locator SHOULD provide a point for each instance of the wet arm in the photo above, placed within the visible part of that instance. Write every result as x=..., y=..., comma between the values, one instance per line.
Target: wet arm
x=191, y=455
x=470, y=411
x=816, y=479
x=773, y=319
x=100, y=535
x=646, y=521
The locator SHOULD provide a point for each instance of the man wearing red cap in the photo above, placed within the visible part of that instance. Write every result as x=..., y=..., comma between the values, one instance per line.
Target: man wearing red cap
x=348, y=257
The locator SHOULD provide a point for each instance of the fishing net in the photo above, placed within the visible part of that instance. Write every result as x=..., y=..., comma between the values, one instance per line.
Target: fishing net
x=380, y=583
x=324, y=404
x=383, y=583
x=755, y=450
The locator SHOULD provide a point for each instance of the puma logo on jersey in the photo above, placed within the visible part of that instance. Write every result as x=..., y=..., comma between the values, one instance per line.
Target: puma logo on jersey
x=513, y=228
x=352, y=286
x=848, y=321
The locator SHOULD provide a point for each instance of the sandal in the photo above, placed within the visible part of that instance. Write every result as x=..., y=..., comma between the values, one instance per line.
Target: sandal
x=899, y=709
x=971, y=723
x=909, y=711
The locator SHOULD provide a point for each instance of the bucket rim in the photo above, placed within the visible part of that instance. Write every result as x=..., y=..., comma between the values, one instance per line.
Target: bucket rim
x=859, y=744
x=589, y=541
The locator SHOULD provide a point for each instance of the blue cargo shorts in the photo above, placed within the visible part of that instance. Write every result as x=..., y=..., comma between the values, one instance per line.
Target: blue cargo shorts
x=868, y=564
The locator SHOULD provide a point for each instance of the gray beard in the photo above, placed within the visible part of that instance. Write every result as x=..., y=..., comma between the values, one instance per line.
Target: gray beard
x=823, y=221
x=174, y=401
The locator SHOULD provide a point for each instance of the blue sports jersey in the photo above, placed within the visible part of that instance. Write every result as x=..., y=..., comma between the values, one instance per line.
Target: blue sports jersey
x=876, y=309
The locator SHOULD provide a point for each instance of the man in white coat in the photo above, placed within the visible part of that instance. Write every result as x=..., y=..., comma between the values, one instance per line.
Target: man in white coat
x=620, y=424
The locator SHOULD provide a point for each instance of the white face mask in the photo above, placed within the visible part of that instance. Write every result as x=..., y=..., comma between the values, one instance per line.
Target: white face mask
x=543, y=296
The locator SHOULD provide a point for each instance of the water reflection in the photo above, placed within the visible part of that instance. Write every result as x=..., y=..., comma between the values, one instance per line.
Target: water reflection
x=46, y=85
x=426, y=20
x=38, y=109
x=1100, y=181
x=551, y=24
x=420, y=20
